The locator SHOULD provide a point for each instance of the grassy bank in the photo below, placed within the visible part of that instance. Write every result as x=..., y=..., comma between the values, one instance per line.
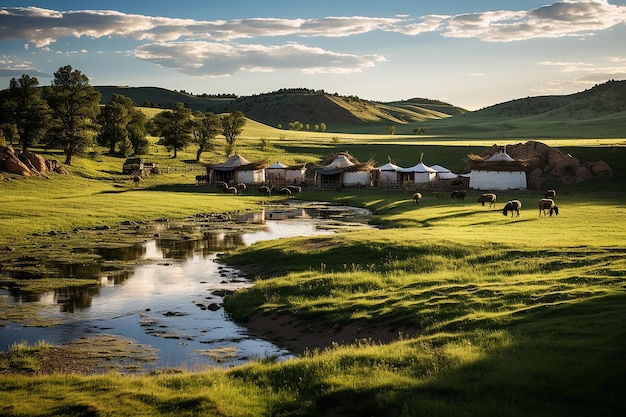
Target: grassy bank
x=511, y=316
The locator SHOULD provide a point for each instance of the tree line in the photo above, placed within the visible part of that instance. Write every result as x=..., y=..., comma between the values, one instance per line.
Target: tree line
x=67, y=114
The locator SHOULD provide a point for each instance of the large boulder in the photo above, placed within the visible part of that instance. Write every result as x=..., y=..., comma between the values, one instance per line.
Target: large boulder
x=14, y=166
x=37, y=161
x=601, y=169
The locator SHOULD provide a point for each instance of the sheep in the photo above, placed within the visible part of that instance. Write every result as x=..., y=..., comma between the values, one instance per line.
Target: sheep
x=417, y=197
x=460, y=194
x=547, y=205
x=513, y=206
x=550, y=194
x=488, y=198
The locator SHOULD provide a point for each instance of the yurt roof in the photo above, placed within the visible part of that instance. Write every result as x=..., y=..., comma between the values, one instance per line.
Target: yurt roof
x=439, y=168
x=421, y=167
x=277, y=165
x=500, y=161
x=237, y=162
x=500, y=157
x=390, y=167
x=343, y=161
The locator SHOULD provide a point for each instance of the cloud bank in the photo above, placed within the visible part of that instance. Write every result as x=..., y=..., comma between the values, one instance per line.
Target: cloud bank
x=220, y=48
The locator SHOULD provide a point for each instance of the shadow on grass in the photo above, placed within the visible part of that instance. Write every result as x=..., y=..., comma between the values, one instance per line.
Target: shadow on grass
x=568, y=360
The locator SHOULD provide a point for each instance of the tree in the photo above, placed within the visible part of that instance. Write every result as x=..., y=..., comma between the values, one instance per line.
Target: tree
x=113, y=119
x=206, y=127
x=137, y=132
x=232, y=126
x=75, y=105
x=120, y=121
x=391, y=130
x=26, y=110
x=173, y=127
x=323, y=127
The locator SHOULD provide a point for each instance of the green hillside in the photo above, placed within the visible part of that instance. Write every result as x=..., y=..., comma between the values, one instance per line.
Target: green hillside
x=599, y=112
x=348, y=114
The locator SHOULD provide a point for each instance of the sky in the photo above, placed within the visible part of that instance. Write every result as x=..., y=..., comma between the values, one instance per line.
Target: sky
x=469, y=53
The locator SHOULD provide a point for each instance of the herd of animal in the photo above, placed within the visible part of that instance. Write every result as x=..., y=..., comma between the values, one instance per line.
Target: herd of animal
x=547, y=206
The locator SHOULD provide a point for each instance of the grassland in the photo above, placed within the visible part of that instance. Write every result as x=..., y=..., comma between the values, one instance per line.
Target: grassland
x=500, y=316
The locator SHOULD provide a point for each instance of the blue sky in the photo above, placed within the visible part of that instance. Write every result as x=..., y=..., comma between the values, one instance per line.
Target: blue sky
x=469, y=53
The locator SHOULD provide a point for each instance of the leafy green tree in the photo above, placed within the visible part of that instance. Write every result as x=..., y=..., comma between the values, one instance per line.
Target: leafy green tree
x=391, y=130
x=26, y=110
x=205, y=128
x=232, y=126
x=323, y=127
x=173, y=127
x=113, y=119
x=75, y=106
x=137, y=132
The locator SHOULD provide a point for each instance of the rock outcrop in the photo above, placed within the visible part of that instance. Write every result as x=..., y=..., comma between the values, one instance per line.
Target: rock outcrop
x=27, y=164
x=551, y=165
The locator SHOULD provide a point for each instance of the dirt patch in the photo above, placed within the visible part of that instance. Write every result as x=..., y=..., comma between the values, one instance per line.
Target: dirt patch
x=299, y=336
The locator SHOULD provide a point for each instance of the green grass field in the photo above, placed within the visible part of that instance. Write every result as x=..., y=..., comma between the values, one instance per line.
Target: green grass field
x=513, y=316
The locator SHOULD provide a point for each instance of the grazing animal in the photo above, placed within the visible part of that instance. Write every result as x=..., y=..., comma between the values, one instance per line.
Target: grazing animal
x=285, y=191
x=417, y=197
x=460, y=194
x=513, y=206
x=488, y=198
x=221, y=184
x=550, y=194
x=201, y=178
x=294, y=188
x=546, y=205
x=136, y=179
x=230, y=190
x=265, y=190
x=241, y=186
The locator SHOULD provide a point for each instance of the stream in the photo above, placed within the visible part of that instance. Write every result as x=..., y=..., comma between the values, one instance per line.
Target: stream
x=171, y=301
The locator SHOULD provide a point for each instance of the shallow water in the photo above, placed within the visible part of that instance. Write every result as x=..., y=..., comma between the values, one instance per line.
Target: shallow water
x=172, y=300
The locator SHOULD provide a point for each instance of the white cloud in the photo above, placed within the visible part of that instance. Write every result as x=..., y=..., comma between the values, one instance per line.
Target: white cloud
x=212, y=59
x=566, y=18
x=582, y=74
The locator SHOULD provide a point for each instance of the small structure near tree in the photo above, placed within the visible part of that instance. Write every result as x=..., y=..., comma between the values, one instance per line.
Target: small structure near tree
x=498, y=172
x=343, y=170
x=237, y=169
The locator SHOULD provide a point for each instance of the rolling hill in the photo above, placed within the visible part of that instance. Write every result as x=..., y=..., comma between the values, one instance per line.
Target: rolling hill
x=596, y=112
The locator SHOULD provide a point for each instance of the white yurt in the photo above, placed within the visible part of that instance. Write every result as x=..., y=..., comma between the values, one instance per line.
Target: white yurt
x=444, y=173
x=389, y=174
x=498, y=172
x=343, y=170
x=419, y=174
x=237, y=169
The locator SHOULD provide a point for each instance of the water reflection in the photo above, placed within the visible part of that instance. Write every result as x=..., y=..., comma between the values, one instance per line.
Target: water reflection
x=170, y=297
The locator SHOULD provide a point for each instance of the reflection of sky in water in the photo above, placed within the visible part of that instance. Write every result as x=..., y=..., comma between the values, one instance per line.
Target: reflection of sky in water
x=278, y=229
x=152, y=291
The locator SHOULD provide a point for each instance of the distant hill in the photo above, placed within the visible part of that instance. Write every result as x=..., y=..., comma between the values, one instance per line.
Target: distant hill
x=596, y=112
x=342, y=113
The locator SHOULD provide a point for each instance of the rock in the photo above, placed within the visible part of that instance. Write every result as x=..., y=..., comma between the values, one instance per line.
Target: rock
x=15, y=166
x=583, y=174
x=601, y=169
x=37, y=161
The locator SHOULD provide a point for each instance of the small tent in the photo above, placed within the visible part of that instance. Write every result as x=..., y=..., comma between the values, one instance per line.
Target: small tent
x=444, y=173
x=419, y=173
x=285, y=174
x=389, y=174
x=343, y=170
x=237, y=169
x=498, y=172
